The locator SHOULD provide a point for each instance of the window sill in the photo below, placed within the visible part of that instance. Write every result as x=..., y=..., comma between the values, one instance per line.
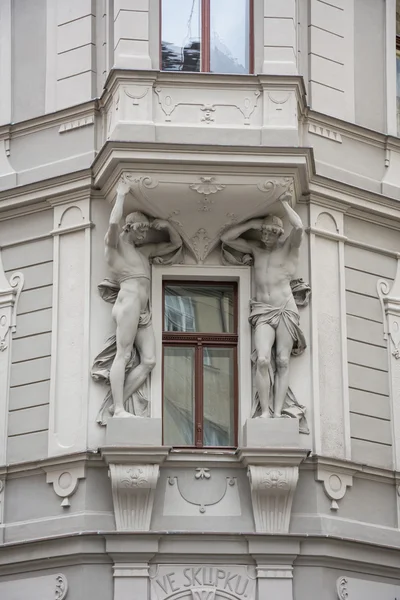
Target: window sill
x=202, y=456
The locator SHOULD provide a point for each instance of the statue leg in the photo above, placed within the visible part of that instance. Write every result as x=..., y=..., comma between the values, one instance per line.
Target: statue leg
x=145, y=344
x=284, y=345
x=126, y=313
x=264, y=337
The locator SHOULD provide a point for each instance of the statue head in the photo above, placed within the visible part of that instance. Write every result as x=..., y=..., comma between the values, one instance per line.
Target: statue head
x=271, y=230
x=136, y=226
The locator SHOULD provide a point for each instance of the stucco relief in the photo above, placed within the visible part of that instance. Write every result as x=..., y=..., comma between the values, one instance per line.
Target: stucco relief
x=208, y=110
x=274, y=314
x=202, y=582
x=203, y=492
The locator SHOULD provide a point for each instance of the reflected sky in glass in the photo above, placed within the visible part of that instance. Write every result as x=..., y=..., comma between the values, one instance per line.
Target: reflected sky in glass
x=180, y=35
x=229, y=36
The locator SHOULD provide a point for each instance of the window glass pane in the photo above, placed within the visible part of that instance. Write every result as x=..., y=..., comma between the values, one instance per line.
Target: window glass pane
x=203, y=309
x=180, y=36
x=178, y=419
x=218, y=400
x=229, y=36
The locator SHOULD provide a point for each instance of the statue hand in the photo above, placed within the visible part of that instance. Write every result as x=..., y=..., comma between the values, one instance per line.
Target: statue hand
x=286, y=198
x=123, y=187
x=159, y=224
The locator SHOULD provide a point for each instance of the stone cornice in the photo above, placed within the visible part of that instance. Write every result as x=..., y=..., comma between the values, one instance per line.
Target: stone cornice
x=229, y=459
x=61, y=117
x=57, y=190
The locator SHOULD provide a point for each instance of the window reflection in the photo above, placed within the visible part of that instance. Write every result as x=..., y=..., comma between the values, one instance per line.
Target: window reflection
x=180, y=36
x=218, y=403
x=191, y=308
x=229, y=36
x=179, y=396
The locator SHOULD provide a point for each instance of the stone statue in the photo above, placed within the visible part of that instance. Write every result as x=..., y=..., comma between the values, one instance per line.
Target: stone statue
x=129, y=356
x=274, y=314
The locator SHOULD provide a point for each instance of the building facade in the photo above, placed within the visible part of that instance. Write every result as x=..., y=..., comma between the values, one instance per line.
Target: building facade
x=206, y=117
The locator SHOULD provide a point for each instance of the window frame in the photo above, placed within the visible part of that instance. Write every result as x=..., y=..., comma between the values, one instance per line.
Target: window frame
x=205, y=12
x=198, y=341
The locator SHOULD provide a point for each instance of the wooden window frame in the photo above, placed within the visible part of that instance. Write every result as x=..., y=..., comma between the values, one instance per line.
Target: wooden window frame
x=205, y=11
x=199, y=341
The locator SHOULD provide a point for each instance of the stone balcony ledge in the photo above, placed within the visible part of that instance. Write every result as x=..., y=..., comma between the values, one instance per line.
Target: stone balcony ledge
x=203, y=108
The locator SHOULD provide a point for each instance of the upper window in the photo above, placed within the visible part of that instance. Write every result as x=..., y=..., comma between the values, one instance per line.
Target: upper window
x=200, y=364
x=207, y=35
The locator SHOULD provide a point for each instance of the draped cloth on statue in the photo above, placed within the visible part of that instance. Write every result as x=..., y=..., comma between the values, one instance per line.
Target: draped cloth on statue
x=138, y=403
x=265, y=314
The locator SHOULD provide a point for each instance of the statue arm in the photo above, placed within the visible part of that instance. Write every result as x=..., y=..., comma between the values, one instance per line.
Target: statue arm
x=163, y=248
x=230, y=237
x=296, y=235
x=114, y=229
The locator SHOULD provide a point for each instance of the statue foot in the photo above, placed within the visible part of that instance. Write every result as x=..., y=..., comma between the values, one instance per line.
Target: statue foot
x=122, y=413
x=265, y=415
x=277, y=414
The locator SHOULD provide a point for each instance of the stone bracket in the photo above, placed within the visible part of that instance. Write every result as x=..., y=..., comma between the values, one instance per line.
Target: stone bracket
x=133, y=489
x=273, y=475
x=65, y=480
x=272, y=491
x=335, y=484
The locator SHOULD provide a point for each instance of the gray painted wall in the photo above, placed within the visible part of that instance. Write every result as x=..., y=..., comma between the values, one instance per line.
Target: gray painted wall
x=31, y=348
x=29, y=58
x=369, y=60
x=367, y=352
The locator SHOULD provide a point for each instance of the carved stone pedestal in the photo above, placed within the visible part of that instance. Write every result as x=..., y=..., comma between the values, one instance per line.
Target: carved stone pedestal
x=134, y=432
x=268, y=433
x=134, y=472
x=272, y=456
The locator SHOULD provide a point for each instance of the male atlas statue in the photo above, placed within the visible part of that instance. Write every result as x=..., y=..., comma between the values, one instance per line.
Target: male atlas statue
x=128, y=257
x=274, y=314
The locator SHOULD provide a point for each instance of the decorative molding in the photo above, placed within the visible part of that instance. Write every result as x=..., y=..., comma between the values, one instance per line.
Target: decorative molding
x=391, y=331
x=61, y=587
x=133, y=488
x=272, y=491
x=335, y=484
x=202, y=493
x=136, y=97
x=329, y=134
x=9, y=296
x=65, y=480
x=202, y=473
x=200, y=244
x=246, y=107
x=77, y=124
x=206, y=188
x=341, y=586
